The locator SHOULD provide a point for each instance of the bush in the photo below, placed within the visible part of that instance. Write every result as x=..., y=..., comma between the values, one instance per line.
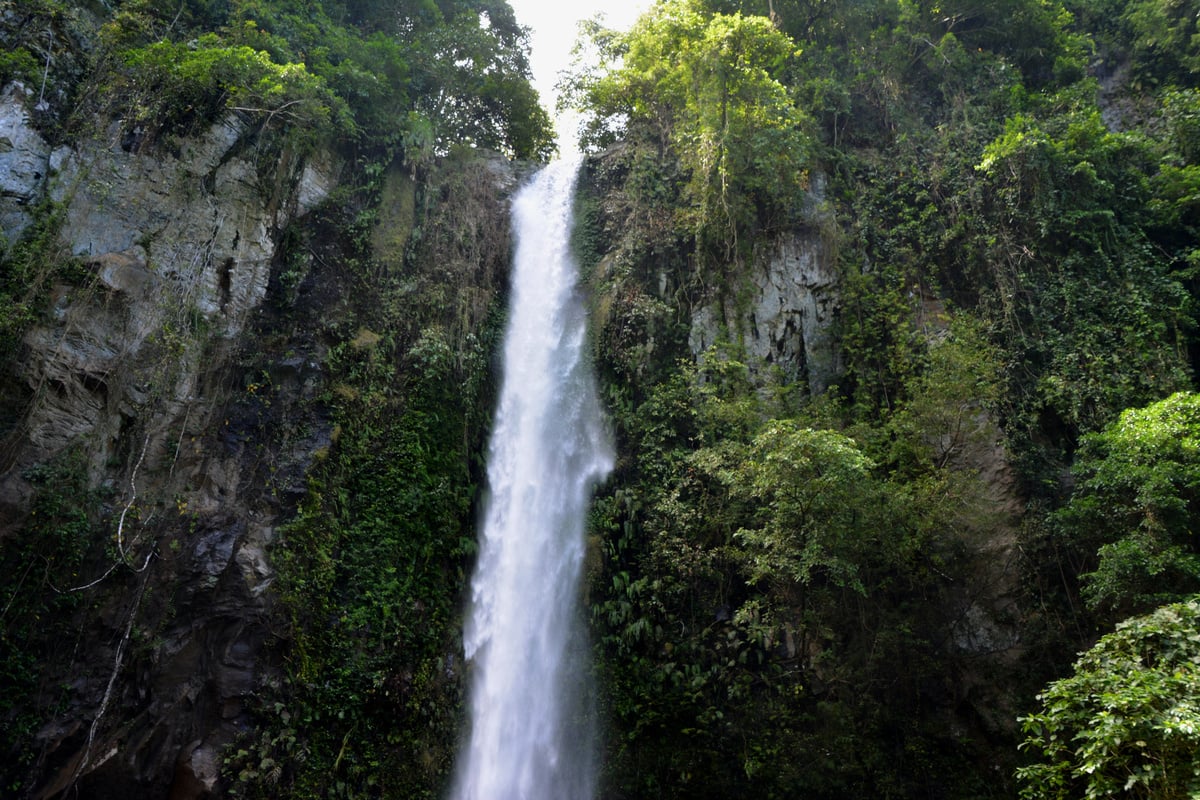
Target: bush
x=170, y=87
x=1137, y=502
x=1128, y=721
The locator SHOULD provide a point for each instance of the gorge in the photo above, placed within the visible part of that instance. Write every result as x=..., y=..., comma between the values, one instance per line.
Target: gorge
x=891, y=314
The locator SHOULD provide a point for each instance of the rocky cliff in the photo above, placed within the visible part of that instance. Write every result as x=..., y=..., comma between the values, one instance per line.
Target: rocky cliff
x=242, y=432
x=137, y=371
x=792, y=590
x=168, y=401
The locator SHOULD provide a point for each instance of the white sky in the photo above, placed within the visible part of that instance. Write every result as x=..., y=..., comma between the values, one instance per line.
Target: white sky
x=553, y=25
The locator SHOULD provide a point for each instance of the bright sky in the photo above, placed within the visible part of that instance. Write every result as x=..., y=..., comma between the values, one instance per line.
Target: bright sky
x=553, y=25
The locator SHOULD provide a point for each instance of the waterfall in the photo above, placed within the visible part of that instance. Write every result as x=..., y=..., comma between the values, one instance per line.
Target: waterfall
x=531, y=732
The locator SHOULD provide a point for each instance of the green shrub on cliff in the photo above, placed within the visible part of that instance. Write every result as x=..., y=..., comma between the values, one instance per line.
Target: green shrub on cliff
x=708, y=88
x=1137, y=506
x=1127, y=722
x=358, y=70
x=168, y=86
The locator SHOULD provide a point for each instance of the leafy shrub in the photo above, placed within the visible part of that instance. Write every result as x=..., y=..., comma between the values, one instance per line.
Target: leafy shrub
x=171, y=87
x=18, y=64
x=1138, y=502
x=1127, y=722
x=708, y=86
x=28, y=269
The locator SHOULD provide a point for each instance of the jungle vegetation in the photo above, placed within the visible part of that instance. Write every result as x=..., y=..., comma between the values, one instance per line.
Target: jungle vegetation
x=785, y=586
x=786, y=574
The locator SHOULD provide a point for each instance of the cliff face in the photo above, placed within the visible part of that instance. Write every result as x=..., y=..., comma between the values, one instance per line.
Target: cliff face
x=785, y=316
x=138, y=371
x=178, y=382
x=170, y=247
x=242, y=438
x=792, y=588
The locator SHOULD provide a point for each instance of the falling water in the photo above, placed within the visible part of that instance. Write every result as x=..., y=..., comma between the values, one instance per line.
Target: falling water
x=531, y=736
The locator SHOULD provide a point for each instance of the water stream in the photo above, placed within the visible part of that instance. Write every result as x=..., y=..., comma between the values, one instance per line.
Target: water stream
x=531, y=734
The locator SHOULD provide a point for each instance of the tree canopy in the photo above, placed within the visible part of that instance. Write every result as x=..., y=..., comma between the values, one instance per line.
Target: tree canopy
x=1004, y=195
x=708, y=86
x=456, y=71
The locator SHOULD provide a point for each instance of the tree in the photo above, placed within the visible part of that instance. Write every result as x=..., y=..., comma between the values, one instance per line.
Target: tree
x=708, y=89
x=474, y=86
x=455, y=71
x=1164, y=35
x=1127, y=721
x=816, y=498
x=1079, y=296
x=1138, y=501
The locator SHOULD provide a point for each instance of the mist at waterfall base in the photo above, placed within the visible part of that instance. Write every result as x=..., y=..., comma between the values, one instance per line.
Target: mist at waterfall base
x=532, y=718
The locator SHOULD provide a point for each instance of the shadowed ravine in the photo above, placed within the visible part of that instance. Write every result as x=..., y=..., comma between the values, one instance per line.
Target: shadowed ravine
x=531, y=734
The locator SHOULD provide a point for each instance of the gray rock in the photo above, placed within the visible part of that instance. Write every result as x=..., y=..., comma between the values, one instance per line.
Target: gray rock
x=24, y=162
x=317, y=180
x=134, y=368
x=786, y=322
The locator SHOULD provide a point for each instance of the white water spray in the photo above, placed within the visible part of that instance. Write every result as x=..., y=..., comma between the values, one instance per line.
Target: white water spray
x=531, y=722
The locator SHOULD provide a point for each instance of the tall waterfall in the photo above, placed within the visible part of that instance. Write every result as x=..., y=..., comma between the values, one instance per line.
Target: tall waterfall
x=531, y=731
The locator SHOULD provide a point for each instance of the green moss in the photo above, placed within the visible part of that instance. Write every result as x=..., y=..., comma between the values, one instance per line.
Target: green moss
x=397, y=213
x=28, y=270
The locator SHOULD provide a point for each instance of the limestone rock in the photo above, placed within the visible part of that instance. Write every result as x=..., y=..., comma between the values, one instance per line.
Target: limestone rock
x=317, y=180
x=138, y=367
x=786, y=321
x=24, y=162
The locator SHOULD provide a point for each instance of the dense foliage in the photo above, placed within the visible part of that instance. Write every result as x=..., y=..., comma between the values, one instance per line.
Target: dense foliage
x=795, y=592
x=795, y=585
x=1127, y=722
x=707, y=87
x=740, y=537
x=410, y=78
x=1135, y=506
